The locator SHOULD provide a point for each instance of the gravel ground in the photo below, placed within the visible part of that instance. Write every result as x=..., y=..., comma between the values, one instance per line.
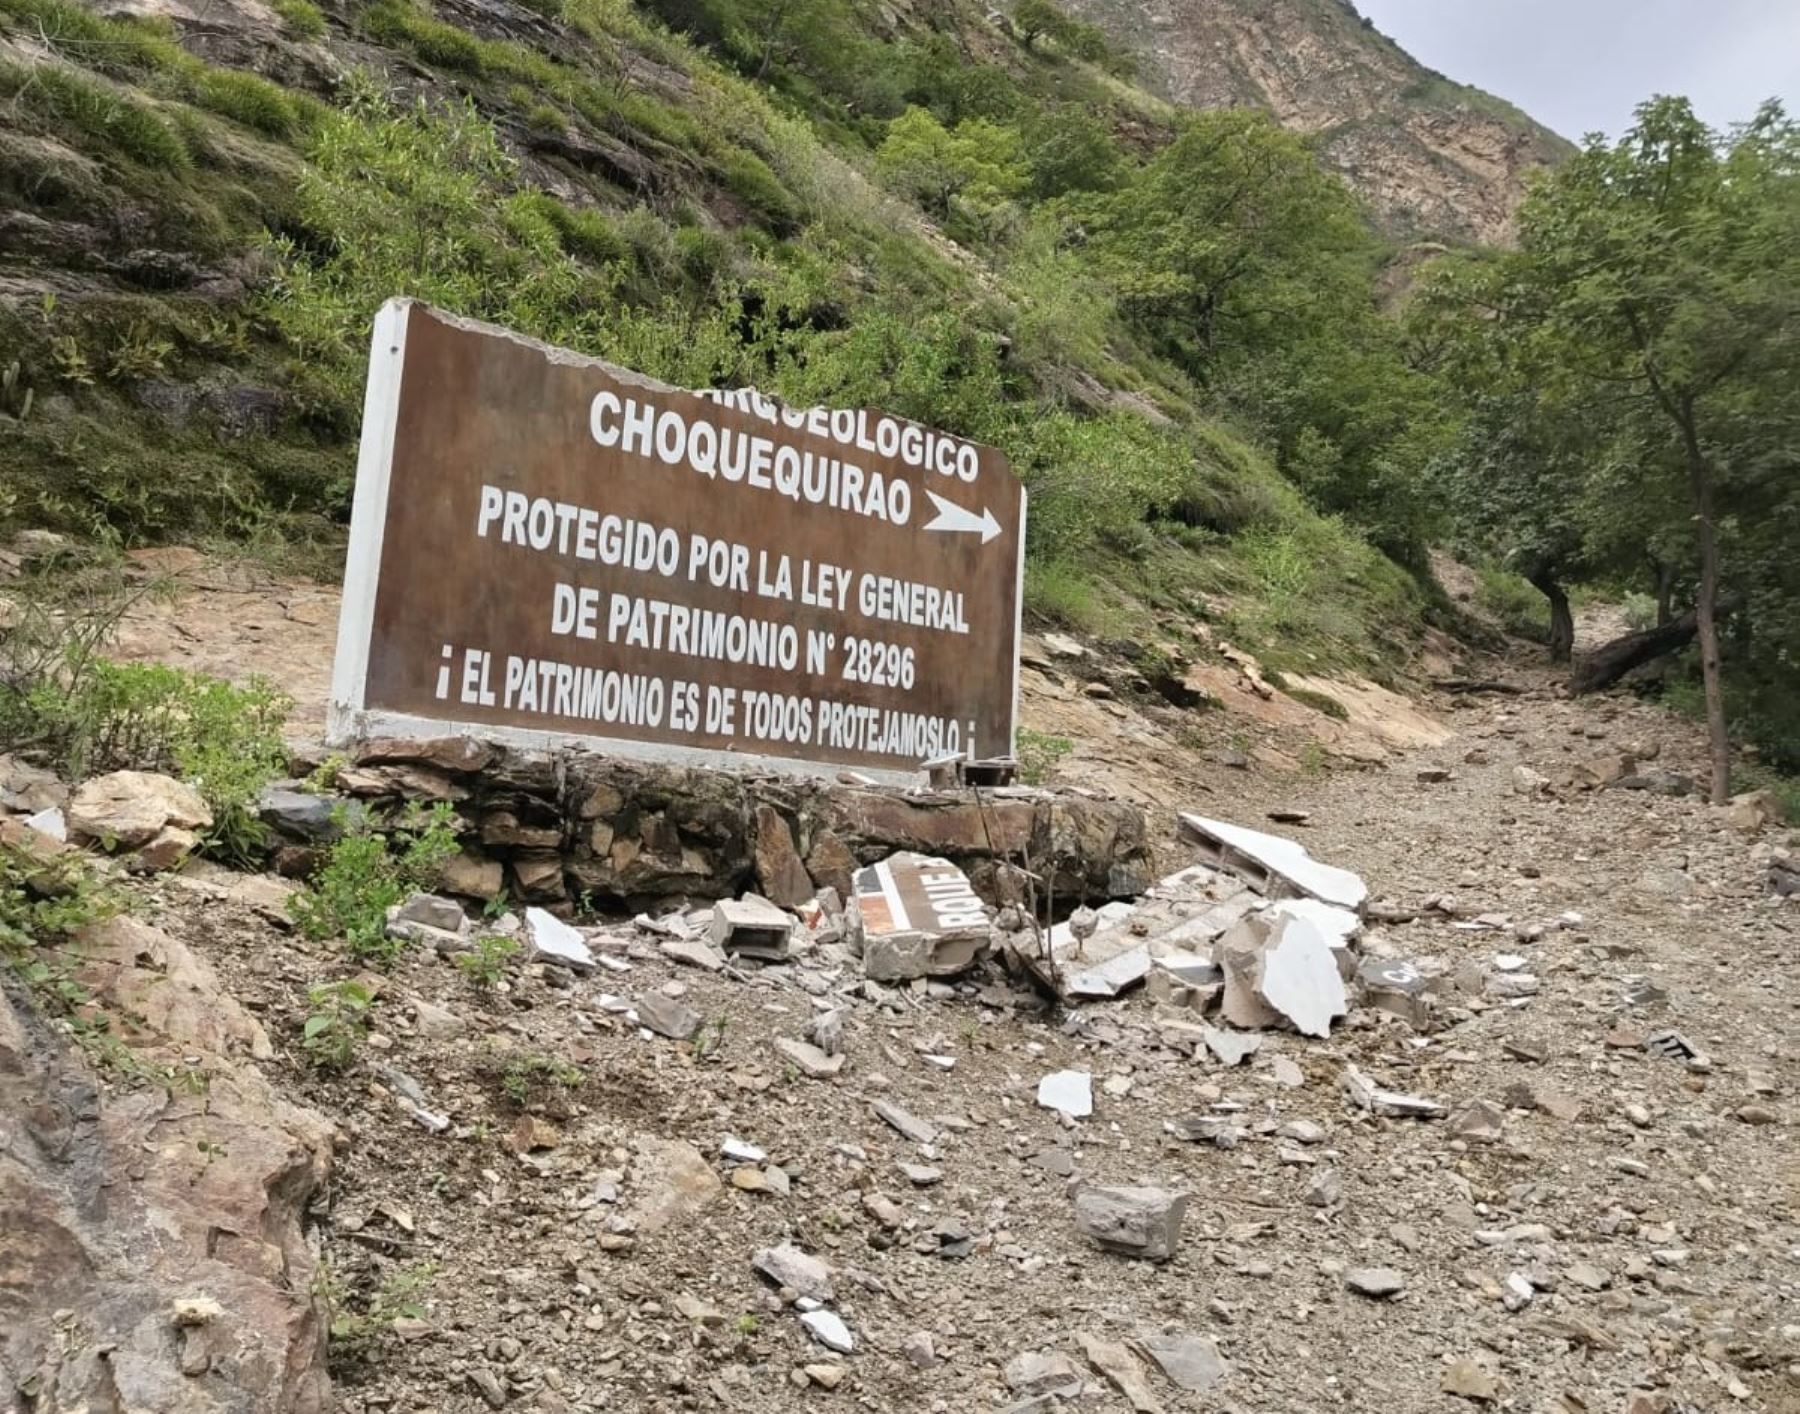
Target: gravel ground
x=1649, y=1207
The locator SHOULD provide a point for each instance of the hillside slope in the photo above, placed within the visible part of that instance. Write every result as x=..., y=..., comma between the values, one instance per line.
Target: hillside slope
x=926, y=210
x=1431, y=157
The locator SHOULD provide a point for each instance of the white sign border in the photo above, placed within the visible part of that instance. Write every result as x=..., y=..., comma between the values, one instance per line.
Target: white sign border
x=348, y=720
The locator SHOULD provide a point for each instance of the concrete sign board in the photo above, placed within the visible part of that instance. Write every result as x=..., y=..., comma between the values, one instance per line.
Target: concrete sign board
x=550, y=550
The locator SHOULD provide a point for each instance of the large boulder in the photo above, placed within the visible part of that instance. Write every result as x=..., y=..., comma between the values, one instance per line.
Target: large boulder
x=156, y=816
x=151, y=1246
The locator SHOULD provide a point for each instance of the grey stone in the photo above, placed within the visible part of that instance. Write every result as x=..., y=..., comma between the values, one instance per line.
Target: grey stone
x=433, y=911
x=667, y=1017
x=798, y=1271
x=1192, y=1362
x=808, y=1059
x=1043, y=1373
x=910, y=1126
x=1377, y=1283
x=1140, y=1222
x=305, y=815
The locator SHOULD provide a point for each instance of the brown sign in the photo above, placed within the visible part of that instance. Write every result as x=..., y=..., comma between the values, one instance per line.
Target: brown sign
x=546, y=548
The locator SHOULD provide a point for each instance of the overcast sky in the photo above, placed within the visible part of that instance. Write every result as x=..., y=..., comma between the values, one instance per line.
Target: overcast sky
x=1582, y=65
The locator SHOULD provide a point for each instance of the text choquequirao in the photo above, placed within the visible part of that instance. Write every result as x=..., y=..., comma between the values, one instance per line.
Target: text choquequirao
x=644, y=428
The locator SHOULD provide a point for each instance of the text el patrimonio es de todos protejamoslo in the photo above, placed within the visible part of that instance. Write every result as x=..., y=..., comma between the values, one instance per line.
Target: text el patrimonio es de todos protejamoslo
x=572, y=696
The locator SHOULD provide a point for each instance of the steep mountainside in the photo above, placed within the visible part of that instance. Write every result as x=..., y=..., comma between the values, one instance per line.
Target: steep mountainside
x=1430, y=156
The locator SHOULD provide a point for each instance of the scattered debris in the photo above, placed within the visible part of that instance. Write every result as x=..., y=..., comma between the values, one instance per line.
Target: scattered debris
x=1372, y=1097
x=1273, y=865
x=1467, y=1380
x=1191, y=1362
x=1068, y=1092
x=920, y=918
x=667, y=1017
x=827, y=1327
x=907, y=1125
x=553, y=940
x=794, y=1270
x=811, y=1061
x=1139, y=1222
x=751, y=927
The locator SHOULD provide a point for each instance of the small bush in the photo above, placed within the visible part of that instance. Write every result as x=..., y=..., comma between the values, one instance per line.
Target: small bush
x=356, y=1334
x=750, y=179
x=337, y=1025
x=86, y=714
x=365, y=874
x=45, y=901
x=1038, y=754
x=485, y=963
x=1512, y=603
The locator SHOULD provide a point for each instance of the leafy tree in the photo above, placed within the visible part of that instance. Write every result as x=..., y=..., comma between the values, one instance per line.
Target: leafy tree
x=1656, y=290
x=1232, y=235
x=978, y=162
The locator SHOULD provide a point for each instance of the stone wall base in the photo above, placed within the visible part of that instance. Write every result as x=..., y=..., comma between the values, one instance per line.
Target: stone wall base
x=575, y=829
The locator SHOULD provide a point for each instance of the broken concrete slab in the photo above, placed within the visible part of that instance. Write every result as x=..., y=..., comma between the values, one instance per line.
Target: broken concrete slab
x=1299, y=976
x=1232, y=1048
x=1138, y=1222
x=1069, y=1092
x=1277, y=867
x=553, y=940
x=1397, y=987
x=751, y=927
x=920, y=918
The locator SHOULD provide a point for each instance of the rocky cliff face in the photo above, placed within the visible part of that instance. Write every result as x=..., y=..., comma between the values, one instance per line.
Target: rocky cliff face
x=1431, y=157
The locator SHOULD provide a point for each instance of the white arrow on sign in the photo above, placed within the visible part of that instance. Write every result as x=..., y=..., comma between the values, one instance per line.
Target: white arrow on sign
x=951, y=516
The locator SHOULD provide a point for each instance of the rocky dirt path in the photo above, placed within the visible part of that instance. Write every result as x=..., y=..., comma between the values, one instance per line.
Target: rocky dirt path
x=1594, y=1227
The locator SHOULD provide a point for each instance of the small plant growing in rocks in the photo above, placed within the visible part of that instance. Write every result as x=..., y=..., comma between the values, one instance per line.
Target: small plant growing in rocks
x=485, y=963
x=1039, y=753
x=337, y=1024
x=366, y=874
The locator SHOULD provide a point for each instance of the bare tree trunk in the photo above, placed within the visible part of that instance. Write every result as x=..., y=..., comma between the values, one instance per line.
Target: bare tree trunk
x=1665, y=590
x=1562, y=621
x=1605, y=665
x=1706, y=607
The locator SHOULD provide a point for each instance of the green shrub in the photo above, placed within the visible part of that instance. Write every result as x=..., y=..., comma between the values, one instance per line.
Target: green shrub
x=124, y=48
x=45, y=901
x=750, y=179
x=1038, y=754
x=337, y=1025
x=1511, y=602
x=398, y=23
x=365, y=874
x=485, y=963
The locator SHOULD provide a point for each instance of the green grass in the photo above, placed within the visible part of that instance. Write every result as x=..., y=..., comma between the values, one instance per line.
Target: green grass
x=305, y=19
x=104, y=122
